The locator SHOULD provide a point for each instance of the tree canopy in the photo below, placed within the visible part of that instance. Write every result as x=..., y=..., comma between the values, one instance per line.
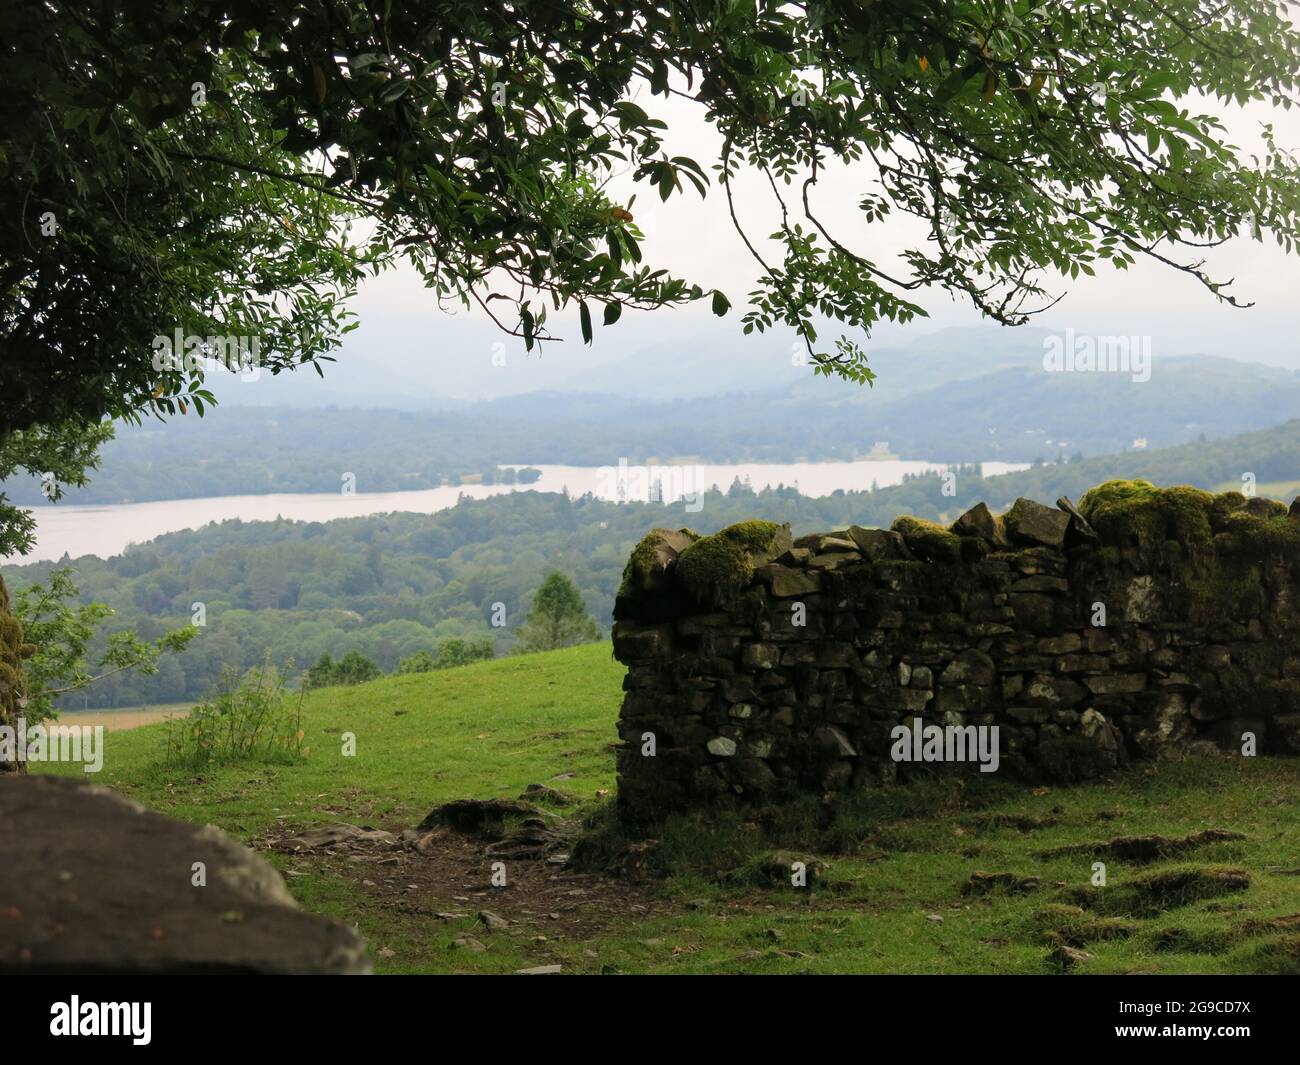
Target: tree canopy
x=195, y=165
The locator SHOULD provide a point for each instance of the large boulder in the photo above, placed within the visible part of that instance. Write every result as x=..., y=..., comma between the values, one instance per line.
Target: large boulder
x=92, y=882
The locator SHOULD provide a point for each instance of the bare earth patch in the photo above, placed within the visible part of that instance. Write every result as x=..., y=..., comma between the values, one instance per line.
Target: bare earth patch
x=444, y=876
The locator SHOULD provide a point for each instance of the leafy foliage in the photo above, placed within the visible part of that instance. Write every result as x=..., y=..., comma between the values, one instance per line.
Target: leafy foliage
x=146, y=190
x=1027, y=138
x=62, y=635
x=58, y=456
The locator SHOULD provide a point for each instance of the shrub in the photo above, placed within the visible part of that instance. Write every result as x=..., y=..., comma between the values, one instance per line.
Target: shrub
x=355, y=668
x=457, y=652
x=352, y=668
x=420, y=662
x=248, y=717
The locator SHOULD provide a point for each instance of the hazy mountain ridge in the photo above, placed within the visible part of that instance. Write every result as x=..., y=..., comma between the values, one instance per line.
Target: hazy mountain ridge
x=1016, y=412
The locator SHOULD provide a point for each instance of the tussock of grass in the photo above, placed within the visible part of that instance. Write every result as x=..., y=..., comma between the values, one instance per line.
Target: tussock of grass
x=1167, y=889
x=1064, y=925
x=1275, y=957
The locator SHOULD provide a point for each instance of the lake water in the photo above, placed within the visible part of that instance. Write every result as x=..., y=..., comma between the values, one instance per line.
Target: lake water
x=107, y=530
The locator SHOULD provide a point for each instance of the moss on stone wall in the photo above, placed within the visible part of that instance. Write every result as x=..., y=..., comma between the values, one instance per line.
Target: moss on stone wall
x=1137, y=513
x=716, y=568
x=13, y=685
x=1241, y=533
x=651, y=556
x=928, y=540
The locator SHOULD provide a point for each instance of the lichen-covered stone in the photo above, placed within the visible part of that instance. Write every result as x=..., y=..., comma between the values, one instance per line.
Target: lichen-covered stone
x=877, y=543
x=981, y=522
x=786, y=582
x=1032, y=523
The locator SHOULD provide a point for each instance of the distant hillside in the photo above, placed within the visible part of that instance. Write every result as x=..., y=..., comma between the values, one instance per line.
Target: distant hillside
x=1021, y=413
x=1017, y=413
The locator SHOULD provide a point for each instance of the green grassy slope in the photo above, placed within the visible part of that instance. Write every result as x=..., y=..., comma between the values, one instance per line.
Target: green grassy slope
x=478, y=731
x=893, y=898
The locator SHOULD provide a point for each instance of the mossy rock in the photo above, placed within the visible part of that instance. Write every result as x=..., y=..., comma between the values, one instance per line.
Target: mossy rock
x=1263, y=507
x=13, y=684
x=1138, y=514
x=716, y=569
x=1251, y=535
x=652, y=556
x=928, y=540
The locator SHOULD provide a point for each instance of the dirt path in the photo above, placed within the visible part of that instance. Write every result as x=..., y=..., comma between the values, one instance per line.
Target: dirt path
x=446, y=874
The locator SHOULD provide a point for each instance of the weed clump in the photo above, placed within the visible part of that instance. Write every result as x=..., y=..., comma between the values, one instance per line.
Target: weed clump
x=250, y=717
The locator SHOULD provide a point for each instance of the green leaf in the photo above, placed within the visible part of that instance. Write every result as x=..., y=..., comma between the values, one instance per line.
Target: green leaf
x=721, y=305
x=584, y=317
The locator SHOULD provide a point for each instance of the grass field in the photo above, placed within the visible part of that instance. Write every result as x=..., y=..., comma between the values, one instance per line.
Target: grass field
x=895, y=889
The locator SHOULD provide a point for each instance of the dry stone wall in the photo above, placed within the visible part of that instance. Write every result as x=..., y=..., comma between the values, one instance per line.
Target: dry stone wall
x=1051, y=643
